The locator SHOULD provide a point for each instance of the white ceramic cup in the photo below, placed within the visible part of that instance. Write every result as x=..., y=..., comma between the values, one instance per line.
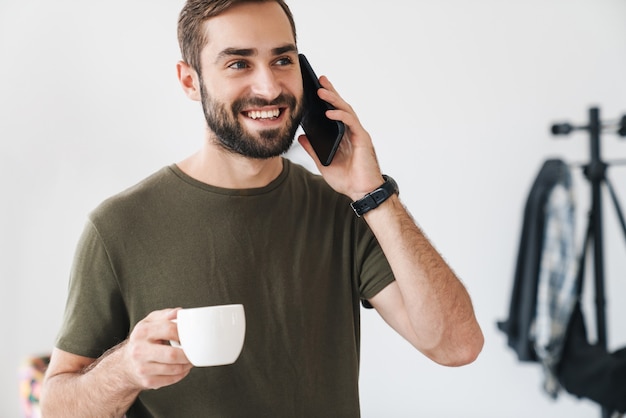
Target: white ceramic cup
x=211, y=335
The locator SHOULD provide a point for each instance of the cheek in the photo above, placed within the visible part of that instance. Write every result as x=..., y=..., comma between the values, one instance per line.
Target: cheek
x=296, y=90
x=291, y=82
x=223, y=91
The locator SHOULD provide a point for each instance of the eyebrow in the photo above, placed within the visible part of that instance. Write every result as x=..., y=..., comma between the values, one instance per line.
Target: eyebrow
x=250, y=52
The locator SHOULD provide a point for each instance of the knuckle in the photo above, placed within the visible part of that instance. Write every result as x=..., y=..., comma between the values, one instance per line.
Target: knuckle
x=136, y=352
x=148, y=383
x=171, y=355
x=140, y=332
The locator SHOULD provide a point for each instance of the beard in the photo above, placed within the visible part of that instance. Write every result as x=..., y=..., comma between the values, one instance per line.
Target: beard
x=233, y=137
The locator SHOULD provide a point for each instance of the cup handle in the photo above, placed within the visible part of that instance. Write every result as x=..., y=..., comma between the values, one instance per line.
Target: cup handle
x=172, y=342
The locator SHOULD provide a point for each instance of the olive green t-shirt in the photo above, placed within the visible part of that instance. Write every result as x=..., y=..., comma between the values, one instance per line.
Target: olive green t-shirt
x=293, y=253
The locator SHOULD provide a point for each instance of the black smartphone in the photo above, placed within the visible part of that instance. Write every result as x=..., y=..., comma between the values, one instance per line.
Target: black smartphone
x=324, y=134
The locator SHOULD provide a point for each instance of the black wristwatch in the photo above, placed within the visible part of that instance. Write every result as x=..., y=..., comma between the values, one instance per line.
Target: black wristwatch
x=374, y=199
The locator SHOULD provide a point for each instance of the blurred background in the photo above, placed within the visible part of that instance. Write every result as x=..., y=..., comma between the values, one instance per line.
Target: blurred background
x=458, y=95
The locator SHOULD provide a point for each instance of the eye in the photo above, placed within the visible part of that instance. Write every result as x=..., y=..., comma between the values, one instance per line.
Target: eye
x=238, y=65
x=284, y=61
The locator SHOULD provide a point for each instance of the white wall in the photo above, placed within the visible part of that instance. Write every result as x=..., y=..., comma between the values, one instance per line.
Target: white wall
x=457, y=94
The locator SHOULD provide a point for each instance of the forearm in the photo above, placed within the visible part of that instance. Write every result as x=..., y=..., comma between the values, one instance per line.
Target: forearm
x=437, y=304
x=102, y=389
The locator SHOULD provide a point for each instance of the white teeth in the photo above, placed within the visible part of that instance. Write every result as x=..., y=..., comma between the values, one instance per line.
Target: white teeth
x=264, y=114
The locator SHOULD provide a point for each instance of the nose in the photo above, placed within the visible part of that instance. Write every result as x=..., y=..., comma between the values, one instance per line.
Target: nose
x=266, y=84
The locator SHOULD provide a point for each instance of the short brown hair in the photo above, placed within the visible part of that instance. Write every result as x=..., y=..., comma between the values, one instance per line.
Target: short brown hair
x=191, y=37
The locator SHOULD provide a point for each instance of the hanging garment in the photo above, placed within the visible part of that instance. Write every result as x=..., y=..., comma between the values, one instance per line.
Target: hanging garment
x=545, y=322
x=520, y=326
x=556, y=288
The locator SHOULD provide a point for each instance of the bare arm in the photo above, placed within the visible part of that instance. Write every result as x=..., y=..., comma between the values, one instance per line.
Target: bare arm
x=81, y=386
x=107, y=387
x=427, y=304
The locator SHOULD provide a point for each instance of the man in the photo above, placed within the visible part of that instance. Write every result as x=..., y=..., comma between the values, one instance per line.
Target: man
x=237, y=223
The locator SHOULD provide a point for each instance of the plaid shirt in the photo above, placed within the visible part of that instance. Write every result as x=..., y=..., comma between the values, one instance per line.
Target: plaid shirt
x=556, y=291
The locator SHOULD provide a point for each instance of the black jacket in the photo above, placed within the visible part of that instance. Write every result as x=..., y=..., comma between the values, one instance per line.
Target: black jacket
x=524, y=295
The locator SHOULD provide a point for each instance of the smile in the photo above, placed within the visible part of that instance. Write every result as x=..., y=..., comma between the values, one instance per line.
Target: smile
x=263, y=114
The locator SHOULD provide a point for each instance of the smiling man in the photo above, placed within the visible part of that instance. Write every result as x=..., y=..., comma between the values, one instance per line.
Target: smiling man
x=238, y=223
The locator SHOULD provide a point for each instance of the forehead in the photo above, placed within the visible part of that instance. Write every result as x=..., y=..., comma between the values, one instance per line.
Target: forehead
x=260, y=26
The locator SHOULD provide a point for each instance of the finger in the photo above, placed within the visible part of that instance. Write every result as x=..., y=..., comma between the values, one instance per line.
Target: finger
x=166, y=355
x=343, y=111
x=171, y=313
x=166, y=369
x=159, y=381
x=325, y=82
x=330, y=94
x=156, y=375
x=156, y=327
x=155, y=365
x=168, y=314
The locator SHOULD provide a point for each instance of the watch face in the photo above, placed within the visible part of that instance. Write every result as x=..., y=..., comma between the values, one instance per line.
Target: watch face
x=390, y=185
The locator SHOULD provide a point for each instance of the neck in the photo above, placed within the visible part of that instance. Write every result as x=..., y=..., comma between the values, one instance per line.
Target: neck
x=215, y=166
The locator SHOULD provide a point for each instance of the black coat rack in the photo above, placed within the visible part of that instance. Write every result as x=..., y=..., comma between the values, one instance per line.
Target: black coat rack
x=595, y=172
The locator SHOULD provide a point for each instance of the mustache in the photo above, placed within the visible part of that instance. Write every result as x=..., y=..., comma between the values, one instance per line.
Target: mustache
x=282, y=100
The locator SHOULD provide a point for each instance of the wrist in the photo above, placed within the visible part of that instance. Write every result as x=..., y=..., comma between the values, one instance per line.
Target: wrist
x=376, y=197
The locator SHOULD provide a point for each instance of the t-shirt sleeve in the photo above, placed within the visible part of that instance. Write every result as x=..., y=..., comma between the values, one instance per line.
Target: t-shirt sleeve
x=95, y=316
x=375, y=273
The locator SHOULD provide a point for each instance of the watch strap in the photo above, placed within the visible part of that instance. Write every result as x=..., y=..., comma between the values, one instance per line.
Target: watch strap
x=376, y=198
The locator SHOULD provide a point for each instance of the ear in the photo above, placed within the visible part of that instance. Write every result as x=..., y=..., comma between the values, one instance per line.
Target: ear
x=188, y=78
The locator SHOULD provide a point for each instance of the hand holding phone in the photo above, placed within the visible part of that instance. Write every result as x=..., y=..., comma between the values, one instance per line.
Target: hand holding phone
x=324, y=134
